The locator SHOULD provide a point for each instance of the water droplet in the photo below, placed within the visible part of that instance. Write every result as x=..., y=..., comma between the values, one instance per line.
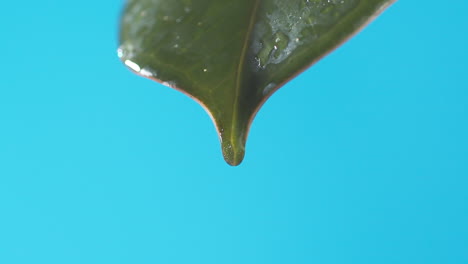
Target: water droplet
x=268, y=88
x=281, y=43
x=132, y=65
x=258, y=63
x=263, y=56
x=120, y=52
x=169, y=84
x=147, y=73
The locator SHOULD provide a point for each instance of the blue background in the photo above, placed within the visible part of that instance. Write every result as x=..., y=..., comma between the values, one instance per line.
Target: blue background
x=361, y=159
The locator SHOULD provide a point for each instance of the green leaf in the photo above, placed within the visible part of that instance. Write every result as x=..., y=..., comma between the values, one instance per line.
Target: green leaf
x=231, y=55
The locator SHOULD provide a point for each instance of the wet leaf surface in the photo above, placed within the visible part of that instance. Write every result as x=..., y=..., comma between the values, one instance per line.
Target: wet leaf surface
x=231, y=55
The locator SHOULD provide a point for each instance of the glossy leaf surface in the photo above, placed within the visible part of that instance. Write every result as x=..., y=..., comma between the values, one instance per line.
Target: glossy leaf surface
x=231, y=55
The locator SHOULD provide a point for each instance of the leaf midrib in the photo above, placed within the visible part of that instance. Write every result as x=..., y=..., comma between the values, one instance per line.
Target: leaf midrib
x=242, y=58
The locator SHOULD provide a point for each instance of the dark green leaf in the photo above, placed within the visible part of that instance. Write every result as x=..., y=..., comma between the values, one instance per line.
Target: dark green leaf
x=231, y=55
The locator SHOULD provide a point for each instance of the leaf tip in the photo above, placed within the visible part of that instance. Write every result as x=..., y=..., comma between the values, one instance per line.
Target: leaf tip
x=233, y=152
